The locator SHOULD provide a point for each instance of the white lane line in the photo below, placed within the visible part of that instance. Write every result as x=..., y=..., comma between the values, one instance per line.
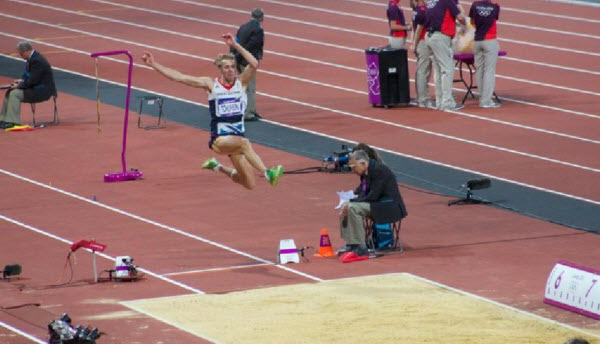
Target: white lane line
x=381, y=19
x=21, y=333
x=551, y=47
x=458, y=168
x=464, y=114
x=359, y=50
x=289, y=20
x=398, y=125
x=330, y=45
x=591, y=3
x=283, y=75
x=502, y=8
x=304, y=22
x=560, y=32
x=539, y=83
x=227, y=268
x=551, y=15
x=148, y=221
x=550, y=65
x=543, y=64
x=519, y=60
x=211, y=22
x=578, y=113
x=437, y=163
x=433, y=133
x=68, y=242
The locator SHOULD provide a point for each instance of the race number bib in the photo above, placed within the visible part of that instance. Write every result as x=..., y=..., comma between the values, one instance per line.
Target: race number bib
x=230, y=128
x=228, y=107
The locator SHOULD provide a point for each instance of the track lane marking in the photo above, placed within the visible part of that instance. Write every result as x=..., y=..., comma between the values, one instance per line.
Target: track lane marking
x=145, y=220
x=226, y=268
x=69, y=242
x=22, y=333
x=458, y=168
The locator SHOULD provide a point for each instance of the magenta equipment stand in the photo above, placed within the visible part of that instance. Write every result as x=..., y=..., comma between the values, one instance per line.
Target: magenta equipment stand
x=131, y=174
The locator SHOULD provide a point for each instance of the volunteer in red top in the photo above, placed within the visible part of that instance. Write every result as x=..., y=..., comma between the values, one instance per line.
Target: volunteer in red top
x=398, y=25
x=485, y=49
x=423, y=54
x=441, y=28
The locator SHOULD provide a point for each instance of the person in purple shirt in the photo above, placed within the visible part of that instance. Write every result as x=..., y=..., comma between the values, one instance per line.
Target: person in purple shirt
x=484, y=15
x=398, y=26
x=441, y=28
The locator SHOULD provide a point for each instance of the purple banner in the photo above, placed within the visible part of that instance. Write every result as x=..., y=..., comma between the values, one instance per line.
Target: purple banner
x=373, y=78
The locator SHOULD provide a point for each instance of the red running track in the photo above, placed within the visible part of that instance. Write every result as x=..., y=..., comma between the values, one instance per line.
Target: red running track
x=545, y=135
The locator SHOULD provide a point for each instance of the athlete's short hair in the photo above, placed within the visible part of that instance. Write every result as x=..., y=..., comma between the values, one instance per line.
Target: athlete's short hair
x=222, y=57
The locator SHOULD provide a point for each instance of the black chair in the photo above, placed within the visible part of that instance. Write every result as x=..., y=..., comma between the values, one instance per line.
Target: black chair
x=55, y=118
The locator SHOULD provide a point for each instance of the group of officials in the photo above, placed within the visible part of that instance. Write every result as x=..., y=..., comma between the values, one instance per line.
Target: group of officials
x=435, y=25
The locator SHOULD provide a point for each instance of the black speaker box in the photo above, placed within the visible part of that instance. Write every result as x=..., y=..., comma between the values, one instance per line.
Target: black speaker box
x=393, y=76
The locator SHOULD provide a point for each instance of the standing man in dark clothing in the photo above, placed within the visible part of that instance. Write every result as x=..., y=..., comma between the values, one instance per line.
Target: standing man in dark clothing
x=377, y=198
x=37, y=85
x=251, y=36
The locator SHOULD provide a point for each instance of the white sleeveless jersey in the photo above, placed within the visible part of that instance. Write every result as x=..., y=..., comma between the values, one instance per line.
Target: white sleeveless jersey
x=227, y=108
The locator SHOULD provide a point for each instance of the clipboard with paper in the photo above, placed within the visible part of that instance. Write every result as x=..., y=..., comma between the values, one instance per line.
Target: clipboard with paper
x=345, y=196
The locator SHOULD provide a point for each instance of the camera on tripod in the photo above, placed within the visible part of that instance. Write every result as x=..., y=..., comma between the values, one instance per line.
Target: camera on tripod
x=339, y=160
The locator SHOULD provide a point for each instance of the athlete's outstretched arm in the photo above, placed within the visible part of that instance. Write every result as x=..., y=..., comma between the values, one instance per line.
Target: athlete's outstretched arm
x=250, y=71
x=194, y=81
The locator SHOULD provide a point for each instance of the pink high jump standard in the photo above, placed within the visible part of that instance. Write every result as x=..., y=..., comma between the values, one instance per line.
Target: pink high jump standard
x=131, y=174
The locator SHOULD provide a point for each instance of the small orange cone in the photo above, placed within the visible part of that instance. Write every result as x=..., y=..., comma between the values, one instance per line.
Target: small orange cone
x=325, y=249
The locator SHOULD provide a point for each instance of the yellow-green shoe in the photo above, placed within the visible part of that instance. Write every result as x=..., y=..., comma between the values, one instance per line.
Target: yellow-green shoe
x=274, y=174
x=210, y=164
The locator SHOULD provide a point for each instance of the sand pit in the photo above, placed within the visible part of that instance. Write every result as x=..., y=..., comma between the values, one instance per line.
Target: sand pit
x=394, y=308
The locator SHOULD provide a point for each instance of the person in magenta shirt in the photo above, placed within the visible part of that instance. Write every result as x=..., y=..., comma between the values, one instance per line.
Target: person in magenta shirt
x=398, y=26
x=484, y=15
x=441, y=16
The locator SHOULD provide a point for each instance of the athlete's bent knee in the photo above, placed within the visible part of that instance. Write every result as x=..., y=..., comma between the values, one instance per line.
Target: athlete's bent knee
x=249, y=185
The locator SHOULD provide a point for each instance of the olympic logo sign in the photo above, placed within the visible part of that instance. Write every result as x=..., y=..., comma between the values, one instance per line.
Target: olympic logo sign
x=485, y=11
x=373, y=78
x=431, y=3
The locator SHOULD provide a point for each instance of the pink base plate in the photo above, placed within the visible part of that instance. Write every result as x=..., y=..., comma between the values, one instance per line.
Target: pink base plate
x=122, y=176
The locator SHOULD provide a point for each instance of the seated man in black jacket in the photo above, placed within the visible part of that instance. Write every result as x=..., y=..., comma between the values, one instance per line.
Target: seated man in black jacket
x=37, y=85
x=378, y=198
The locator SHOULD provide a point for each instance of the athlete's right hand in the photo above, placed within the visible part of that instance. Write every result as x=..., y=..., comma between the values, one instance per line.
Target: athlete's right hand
x=148, y=58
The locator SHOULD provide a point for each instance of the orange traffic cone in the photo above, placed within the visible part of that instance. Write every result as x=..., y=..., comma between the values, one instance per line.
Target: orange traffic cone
x=325, y=249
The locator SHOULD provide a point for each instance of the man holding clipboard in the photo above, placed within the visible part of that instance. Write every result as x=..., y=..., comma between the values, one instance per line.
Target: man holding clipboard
x=36, y=85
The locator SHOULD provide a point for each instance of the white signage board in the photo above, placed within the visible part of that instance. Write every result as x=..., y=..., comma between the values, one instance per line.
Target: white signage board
x=575, y=288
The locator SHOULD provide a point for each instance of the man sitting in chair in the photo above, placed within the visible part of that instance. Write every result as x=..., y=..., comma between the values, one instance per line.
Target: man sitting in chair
x=37, y=85
x=377, y=198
